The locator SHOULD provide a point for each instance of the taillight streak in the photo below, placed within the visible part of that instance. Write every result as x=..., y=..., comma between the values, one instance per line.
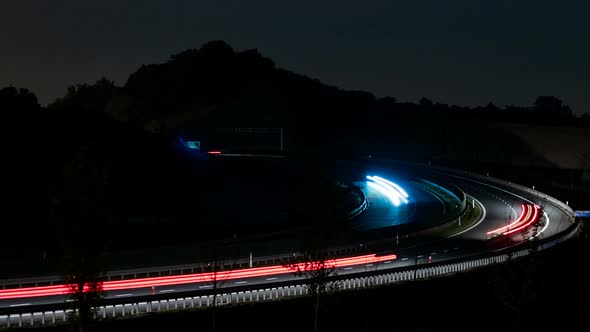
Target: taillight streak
x=533, y=219
x=519, y=219
x=188, y=279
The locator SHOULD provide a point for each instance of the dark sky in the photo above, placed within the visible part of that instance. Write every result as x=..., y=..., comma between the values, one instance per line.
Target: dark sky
x=464, y=52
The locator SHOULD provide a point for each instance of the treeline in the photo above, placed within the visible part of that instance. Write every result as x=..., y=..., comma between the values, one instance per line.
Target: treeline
x=216, y=86
x=49, y=153
x=213, y=87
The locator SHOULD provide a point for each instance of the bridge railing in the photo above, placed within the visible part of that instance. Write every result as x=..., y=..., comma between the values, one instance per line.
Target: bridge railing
x=40, y=316
x=532, y=194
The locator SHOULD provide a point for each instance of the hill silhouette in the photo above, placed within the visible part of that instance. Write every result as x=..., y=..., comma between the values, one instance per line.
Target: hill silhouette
x=215, y=86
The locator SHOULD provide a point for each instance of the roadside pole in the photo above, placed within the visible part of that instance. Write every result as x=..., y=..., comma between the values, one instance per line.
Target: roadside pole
x=415, y=262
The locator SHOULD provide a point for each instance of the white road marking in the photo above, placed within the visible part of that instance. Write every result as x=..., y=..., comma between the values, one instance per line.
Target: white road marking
x=405, y=259
x=477, y=223
x=240, y=282
x=386, y=262
x=119, y=295
x=369, y=265
x=546, y=224
x=206, y=286
x=506, y=191
x=19, y=305
x=420, y=256
x=269, y=279
x=348, y=268
x=167, y=290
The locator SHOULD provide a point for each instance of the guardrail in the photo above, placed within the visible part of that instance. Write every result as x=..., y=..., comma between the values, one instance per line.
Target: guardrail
x=33, y=316
x=158, y=271
x=533, y=194
x=177, y=269
x=360, y=209
x=454, y=191
x=140, y=306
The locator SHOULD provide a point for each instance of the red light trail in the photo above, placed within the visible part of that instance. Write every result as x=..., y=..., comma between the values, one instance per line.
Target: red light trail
x=519, y=219
x=188, y=278
x=533, y=219
x=527, y=217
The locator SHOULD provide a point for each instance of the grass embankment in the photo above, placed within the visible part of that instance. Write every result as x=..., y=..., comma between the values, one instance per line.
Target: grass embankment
x=452, y=207
x=470, y=217
x=450, y=203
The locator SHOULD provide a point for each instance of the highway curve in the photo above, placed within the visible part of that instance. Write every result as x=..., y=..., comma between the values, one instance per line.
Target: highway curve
x=501, y=205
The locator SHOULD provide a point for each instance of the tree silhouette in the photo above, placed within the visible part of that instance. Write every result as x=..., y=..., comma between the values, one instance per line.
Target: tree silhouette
x=425, y=102
x=86, y=98
x=315, y=265
x=81, y=208
x=218, y=279
x=16, y=100
x=552, y=107
x=317, y=269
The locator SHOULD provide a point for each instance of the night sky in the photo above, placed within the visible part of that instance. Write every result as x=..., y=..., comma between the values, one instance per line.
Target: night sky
x=465, y=52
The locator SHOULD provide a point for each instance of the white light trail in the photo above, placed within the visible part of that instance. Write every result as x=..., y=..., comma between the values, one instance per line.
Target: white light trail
x=391, y=190
x=398, y=188
x=387, y=193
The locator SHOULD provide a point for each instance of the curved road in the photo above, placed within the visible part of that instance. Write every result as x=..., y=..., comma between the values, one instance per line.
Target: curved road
x=501, y=206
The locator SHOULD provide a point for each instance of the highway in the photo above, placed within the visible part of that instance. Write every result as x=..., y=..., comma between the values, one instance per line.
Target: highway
x=500, y=207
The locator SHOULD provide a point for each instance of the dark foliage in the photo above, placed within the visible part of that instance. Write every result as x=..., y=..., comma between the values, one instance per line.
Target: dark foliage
x=217, y=86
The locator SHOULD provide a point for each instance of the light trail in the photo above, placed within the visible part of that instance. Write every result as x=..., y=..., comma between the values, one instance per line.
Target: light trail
x=518, y=220
x=387, y=193
x=508, y=192
x=533, y=219
x=524, y=221
x=190, y=278
x=398, y=188
x=389, y=189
